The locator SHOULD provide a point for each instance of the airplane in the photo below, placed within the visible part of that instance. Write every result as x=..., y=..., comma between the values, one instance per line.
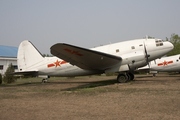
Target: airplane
x=165, y=64
x=69, y=60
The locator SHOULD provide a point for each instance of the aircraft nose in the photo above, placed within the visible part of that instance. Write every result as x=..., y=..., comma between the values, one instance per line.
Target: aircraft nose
x=170, y=46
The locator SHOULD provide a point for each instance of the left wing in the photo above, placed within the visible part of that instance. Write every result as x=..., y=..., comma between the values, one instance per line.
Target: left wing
x=84, y=58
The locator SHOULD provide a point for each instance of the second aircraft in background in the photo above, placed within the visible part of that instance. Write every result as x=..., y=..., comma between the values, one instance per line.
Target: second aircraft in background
x=165, y=64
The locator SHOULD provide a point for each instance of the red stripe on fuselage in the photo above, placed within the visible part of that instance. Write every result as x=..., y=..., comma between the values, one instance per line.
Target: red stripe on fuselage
x=63, y=62
x=170, y=62
x=160, y=64
x=50, y=65
x=165, y=63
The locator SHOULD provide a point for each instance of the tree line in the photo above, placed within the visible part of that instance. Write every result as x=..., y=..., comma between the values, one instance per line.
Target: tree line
x=175, y=40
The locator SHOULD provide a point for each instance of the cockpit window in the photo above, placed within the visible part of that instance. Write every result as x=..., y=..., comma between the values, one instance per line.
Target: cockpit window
x=159, y=43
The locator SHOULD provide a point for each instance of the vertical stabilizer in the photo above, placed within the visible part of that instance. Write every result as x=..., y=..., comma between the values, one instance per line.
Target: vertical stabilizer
x=28, y=56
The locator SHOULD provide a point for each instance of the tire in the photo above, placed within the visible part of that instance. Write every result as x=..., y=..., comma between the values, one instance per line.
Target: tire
x=131, y=76
x=122, y=78
x=43, y=81
x=154, y=75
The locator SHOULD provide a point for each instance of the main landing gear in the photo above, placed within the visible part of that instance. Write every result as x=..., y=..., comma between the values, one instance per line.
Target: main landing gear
x=44, y=80
x=123, y=78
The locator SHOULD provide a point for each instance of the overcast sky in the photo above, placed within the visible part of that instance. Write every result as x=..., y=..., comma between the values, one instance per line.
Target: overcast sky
x=86, y=23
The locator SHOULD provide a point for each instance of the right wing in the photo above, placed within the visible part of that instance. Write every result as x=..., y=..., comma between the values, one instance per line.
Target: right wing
x=84, y=58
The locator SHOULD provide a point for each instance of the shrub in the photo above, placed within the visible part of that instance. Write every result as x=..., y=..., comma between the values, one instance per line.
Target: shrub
x=8, y=77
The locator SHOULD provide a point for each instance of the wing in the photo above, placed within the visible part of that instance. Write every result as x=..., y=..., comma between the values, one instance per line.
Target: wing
x=84, y=58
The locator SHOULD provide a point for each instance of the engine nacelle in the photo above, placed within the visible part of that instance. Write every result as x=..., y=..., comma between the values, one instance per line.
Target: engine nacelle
x=137, y=64
x=130, y=61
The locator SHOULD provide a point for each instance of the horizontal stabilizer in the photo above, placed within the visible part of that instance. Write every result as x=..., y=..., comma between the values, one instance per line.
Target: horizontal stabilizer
x=84, y=58
x=26, y=73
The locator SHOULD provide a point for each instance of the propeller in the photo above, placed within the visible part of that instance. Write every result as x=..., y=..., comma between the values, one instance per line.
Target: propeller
x=146, y=55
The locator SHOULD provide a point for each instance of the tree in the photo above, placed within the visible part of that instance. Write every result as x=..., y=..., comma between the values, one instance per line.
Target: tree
x=8, y=77
x=0, y=79
x=175, y=40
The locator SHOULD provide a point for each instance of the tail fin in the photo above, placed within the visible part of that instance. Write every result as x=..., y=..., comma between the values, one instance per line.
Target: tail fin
x=28, y=56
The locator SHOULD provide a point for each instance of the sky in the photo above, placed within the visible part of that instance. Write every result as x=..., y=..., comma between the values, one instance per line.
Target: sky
x=86, y=23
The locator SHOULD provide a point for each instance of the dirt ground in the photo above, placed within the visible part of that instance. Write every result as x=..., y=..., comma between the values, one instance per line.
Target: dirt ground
x=97, y=97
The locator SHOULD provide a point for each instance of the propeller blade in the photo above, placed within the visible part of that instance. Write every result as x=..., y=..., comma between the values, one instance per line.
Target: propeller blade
x=146, y=55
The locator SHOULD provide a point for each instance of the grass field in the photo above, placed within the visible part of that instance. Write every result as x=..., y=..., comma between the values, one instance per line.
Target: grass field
x=95, y=97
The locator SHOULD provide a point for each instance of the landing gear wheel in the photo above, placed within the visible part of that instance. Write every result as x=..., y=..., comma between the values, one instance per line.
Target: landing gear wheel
x=128, y=77
x=154, y=75
x=131, y=76
x=122, y=78
x=44, y=80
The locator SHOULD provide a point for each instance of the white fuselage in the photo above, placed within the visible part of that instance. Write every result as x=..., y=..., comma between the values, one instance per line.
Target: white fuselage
x=133, y=54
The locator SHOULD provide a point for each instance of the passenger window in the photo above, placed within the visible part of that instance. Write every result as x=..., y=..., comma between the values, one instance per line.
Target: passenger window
x=132, y=47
